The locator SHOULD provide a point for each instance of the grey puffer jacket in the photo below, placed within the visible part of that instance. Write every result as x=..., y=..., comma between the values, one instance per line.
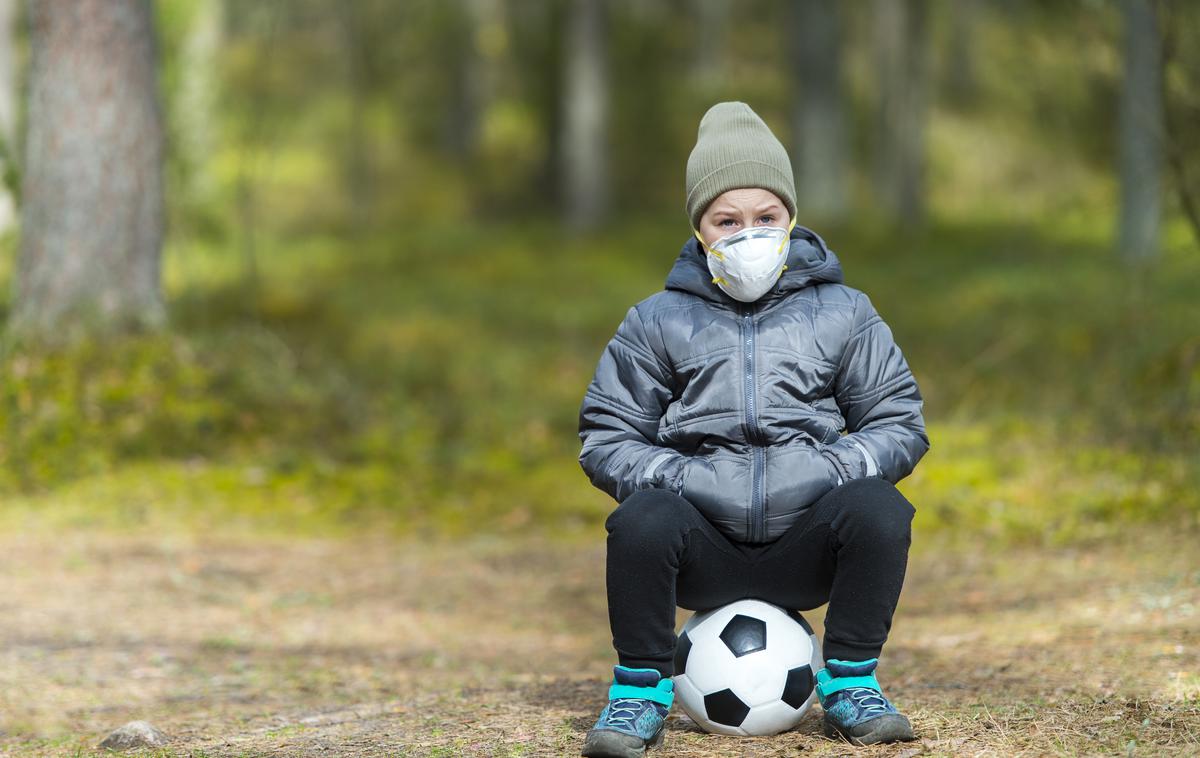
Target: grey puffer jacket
x=744, y=408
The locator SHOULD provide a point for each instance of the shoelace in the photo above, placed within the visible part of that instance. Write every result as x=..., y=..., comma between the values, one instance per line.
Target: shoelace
x=863, y=697
x=624, y=709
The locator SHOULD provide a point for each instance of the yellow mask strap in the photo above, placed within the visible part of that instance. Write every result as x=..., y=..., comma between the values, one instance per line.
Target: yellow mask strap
x=788, y=238
x=704, y=245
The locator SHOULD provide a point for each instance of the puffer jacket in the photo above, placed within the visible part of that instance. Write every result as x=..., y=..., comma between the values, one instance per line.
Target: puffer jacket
x=751, y=411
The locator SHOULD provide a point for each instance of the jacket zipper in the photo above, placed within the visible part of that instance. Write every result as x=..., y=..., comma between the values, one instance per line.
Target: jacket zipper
x=758, y=527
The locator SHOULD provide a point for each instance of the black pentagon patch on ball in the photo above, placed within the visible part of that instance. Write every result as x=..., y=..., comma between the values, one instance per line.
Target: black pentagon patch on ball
x=744, y=635
x=795, y=615
x=726, y=708
x=798, y=687
x=682, y=648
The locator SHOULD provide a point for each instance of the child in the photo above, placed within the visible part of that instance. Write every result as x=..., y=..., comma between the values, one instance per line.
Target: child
x=715, y=419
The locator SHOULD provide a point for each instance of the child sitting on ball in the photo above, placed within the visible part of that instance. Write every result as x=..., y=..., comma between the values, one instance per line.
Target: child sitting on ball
x=751, y=420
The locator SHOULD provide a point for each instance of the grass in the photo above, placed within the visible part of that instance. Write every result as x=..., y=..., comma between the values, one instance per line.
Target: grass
x=429, y=383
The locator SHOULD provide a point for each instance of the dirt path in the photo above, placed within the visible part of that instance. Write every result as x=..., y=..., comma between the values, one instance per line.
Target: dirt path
x=240, y=647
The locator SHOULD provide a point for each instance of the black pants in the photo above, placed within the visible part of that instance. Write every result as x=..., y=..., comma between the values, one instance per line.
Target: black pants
x=850, y=549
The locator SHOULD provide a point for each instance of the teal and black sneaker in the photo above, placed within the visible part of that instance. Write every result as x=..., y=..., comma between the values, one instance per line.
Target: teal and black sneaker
x=855, y=707
x=633, y=720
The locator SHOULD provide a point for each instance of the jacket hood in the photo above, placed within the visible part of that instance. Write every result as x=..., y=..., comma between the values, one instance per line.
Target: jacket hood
x=809, y=261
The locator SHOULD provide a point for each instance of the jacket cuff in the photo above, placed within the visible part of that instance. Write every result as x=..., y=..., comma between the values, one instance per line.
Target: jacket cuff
x=847, y=461
x=843, y=473
x=665, y=472
x=852, y=459
x=837, y=470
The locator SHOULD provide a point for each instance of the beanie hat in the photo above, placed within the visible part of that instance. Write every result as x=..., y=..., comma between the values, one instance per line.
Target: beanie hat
x=735, y=148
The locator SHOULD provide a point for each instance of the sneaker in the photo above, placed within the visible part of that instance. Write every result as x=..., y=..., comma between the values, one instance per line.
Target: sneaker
x=633, y=720
x=855, y=707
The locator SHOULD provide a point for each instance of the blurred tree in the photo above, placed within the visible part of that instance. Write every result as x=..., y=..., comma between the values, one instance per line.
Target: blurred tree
x=356, y=168
x=1180, y=26
x=459, y=126
x=488, y=37
x=509, y=145
x=1141, y=133
x=585, y=114
x=708, y=54
x=902, y=92
x=8, y=111
x=820, y=153
x=538, y=54
x=92, y=215
x=196, y=100
x=961, y=84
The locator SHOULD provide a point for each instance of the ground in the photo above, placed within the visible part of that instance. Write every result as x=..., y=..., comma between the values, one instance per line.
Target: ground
x=369, y=646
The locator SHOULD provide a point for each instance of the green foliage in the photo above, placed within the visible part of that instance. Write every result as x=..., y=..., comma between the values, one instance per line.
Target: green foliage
x=85, y=408
x=375, y=323
x=434, y=385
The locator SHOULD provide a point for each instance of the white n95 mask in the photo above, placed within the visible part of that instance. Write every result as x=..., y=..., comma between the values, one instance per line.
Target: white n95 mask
x=746, y=264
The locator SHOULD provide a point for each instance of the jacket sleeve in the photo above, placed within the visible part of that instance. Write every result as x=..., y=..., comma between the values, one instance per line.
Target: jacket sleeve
x=880, y=401
x=618, y=421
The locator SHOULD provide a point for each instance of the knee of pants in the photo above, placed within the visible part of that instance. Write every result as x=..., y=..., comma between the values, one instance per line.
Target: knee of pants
x=876, y=507
x=648, y=514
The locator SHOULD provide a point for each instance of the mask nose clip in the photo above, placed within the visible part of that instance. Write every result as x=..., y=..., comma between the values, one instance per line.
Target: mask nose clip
x=750, y=261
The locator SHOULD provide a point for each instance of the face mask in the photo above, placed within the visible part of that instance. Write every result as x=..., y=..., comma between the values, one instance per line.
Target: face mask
x=748, y=263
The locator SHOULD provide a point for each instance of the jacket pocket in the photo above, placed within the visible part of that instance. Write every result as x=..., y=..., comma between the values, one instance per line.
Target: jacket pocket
x=797, y=476
x=693, y=492
x=718, y=486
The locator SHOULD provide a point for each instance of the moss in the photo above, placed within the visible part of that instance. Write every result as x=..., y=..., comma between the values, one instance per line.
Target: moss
x=432, y=386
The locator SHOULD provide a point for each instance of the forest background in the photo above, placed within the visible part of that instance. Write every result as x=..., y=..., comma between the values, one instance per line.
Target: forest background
x=399, y=235
x=395, y=237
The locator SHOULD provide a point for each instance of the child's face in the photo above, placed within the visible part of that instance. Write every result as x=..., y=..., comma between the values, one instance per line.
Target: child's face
x=737, y=209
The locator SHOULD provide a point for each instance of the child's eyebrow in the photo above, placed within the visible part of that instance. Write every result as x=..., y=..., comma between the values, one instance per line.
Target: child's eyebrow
x=727, y=210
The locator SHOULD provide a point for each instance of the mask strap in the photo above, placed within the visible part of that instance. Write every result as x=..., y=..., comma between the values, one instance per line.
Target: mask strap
x=791, y=226
x=786, y=239
x=704, y=244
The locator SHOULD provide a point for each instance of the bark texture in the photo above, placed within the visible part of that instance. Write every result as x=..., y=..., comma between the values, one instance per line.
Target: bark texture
x=92, y=216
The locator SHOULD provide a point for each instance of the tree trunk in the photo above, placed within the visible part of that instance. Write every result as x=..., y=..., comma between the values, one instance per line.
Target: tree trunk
x=708, y=66
x=902, y=77
x=195, y=103
x=820, y=151
x=1141, y=134
x=961, y=82
x=487, y=59
x=585, y=101
x=92, y=216
x=356, y=168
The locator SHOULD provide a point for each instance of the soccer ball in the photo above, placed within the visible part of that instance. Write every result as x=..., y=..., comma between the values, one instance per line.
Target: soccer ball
x=748, y=668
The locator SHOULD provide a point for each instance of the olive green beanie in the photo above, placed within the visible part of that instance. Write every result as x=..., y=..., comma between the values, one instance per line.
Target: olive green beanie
x=735, y=148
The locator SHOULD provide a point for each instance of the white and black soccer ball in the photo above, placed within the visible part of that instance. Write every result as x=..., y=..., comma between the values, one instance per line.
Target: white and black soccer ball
x=748, y=668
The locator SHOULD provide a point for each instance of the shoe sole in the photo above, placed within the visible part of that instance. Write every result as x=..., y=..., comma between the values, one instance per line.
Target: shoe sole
x=607, y=743
x=886, y=730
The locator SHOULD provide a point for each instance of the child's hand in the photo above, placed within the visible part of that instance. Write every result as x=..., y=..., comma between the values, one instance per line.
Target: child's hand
x=797, y=476
x=719, y=487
